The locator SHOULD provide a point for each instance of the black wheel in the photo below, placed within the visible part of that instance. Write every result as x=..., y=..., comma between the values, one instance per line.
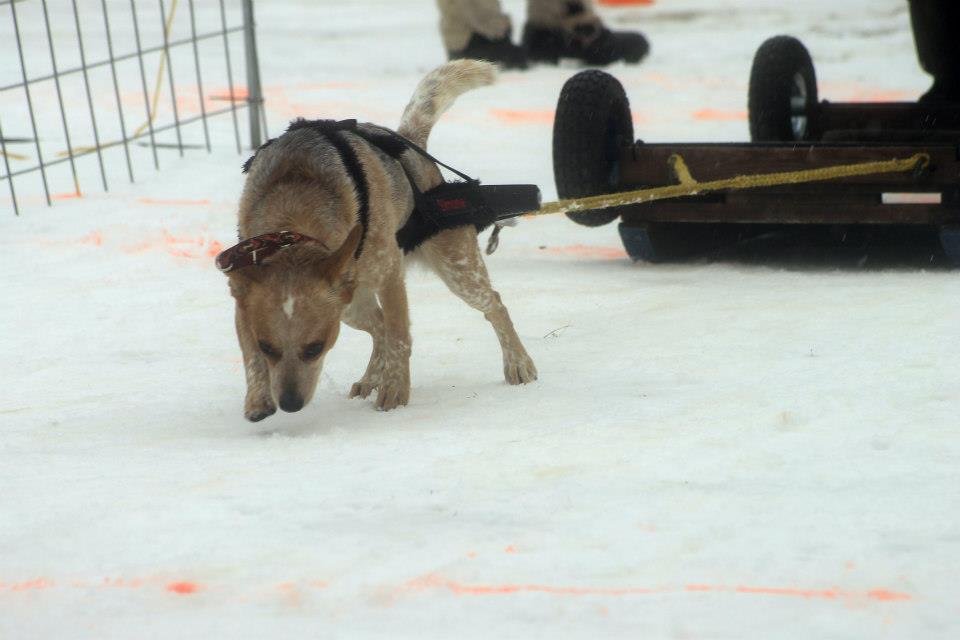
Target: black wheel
x=592, y=125
x=783, y=92
x=950, y=241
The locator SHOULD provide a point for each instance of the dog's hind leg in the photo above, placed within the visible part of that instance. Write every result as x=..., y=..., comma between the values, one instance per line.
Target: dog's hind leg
x=365, y=314
x=455, y=256
x=395, y=385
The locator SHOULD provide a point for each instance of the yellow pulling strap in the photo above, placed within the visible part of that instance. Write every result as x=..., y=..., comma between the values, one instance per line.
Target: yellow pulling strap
x=690, y=187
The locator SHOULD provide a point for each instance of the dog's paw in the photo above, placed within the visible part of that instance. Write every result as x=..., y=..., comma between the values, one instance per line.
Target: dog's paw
x=393, y=396
x=362, y=389
x=257, y=411
x=519, y=370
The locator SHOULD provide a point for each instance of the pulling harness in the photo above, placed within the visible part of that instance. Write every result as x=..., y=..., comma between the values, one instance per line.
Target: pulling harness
x=445, y=206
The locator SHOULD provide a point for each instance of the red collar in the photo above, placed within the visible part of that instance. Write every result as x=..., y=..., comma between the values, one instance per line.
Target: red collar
x=255, y=250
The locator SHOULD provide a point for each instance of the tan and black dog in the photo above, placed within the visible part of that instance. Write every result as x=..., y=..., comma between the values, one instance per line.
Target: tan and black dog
x=342, y=200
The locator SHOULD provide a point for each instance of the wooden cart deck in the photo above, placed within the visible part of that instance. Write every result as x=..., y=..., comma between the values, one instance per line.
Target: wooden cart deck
x=927, y=196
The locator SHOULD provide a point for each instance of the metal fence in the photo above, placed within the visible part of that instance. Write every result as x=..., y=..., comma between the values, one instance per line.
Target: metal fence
x=93, y=83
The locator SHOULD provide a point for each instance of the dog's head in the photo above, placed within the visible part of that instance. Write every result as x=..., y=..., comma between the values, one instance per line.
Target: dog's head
x=290, y=308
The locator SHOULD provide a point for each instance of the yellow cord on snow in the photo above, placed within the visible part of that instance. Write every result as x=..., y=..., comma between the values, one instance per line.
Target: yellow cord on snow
x=14, y=156
x=163, y=61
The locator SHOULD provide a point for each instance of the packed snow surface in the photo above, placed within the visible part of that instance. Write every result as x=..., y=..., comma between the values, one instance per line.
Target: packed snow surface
x=714, y=449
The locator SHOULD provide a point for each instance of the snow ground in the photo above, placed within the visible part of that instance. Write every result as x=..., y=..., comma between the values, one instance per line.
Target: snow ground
x=713, y=450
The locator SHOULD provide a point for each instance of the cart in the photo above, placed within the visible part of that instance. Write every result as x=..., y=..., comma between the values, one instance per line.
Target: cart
x=792, y=134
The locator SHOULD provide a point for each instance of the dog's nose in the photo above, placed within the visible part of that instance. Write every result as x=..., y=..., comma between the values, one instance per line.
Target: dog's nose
x=291, y=401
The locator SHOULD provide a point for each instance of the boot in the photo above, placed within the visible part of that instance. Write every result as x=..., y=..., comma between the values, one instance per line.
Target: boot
x=501, y=51
x=585, y=44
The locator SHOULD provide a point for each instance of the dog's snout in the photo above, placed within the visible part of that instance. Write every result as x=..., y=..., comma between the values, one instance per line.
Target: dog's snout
x=291, y=401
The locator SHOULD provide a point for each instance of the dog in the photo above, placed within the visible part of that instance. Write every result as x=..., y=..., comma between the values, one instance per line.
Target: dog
x=341, y=199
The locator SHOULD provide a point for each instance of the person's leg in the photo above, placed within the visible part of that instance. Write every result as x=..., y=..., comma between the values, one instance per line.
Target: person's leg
x=936, y=31
x=561, y=13
x=571, y=29
x=478, y=29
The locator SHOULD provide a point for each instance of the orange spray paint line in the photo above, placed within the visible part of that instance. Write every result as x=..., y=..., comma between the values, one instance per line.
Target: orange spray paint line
x=183, y=588
x=719, y=116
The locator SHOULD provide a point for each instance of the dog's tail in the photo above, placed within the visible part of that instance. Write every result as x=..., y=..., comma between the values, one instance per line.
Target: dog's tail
x=437, y=91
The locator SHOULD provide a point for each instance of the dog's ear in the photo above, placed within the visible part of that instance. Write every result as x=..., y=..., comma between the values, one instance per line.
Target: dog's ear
x=331, y=268
x=241, y=280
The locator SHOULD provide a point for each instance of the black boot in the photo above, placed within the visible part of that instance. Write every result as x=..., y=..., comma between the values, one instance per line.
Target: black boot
x=549, y=45
x=502, y=51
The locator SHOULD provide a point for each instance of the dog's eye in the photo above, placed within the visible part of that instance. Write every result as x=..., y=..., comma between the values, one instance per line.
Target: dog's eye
x=269, y=350
x=313, y=350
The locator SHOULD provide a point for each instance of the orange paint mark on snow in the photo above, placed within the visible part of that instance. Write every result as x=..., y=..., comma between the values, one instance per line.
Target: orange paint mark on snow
x=822, y=594
x=887, y=596
x=660, y=79
x=510, y=549
x=173, y=202
x=190, y=247
x=239, y=93
x=122, y=583
x=479, y=589
x=586, y=251
x=65, y=196
x=94, y=237
x=881, y=95
x=139, y=247
x=538, y=116
x=37, y=584
x=434, y=581
x=214, y=249
x=523, y=116
x=719, y=116
x=183, y=588
x=826, y=594
x=857, y=92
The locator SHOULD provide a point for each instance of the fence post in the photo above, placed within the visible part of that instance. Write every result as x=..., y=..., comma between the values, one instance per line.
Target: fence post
x=254, y=93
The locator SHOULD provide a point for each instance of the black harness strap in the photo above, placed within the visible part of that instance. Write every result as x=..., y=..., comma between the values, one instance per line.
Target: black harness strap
x=333, y=131
x=446, y=206
x=355, y=169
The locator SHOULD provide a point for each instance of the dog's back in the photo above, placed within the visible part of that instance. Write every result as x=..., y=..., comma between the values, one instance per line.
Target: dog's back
x=322, y=161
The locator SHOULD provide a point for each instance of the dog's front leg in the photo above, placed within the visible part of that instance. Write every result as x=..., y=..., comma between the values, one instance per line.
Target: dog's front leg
x=259, y=402
x=364, y=314
x=395, y=384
